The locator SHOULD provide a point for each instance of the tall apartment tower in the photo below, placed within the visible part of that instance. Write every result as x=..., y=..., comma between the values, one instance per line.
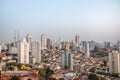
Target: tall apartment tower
x=43, y=41
x=59, y=43
x=67, y=45
x=87, y=49
x=77, y=40
x=114, y=62
x=29, y=40
x=23, y=52
x=48, y=43
x=67, y=60
x=36, y=51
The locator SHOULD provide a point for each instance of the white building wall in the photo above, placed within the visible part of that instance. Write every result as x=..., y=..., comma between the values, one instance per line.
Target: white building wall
x=114, y=62
x=87, y=49
x=71, y=61
x=36, y=51
x=13, y=50
x=43, y=41
x=67, y=60
x=23, y=52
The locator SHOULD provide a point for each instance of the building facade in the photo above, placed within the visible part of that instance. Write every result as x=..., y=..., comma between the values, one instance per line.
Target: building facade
x=67, y=61
x=36, y=51
x=43, y=41
x=23, y=52
x=29, y=40
x=77, y=40
x=48, y=43
x=87, y=49
x=114, y=62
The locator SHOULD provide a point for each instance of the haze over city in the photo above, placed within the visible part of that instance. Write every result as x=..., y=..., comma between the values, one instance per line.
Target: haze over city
x=97, y=20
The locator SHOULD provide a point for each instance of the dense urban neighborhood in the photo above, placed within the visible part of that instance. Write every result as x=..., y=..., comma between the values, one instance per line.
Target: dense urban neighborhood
x=44, y=59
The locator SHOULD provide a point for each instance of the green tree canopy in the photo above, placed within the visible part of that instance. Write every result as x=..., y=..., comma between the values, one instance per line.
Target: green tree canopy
x=93, y=77
x=15, y=77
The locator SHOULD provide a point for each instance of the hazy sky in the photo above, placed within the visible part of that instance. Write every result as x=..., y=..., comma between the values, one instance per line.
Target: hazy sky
x=97, y=20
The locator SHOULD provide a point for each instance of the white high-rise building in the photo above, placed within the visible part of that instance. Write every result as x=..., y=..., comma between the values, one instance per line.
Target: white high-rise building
x=29, y=40
x=23, y=52
x=43, y=41
x=36, y=51
x=59, y=43
x=67, y=60
x=87, y=49
x=114, y=62
x=77, y=40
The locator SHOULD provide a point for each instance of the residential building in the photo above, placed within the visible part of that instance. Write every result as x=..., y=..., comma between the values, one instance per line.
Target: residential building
x=87, y=49
x=48, y=43
x=36, y=51
x=114, y=62
x=43, y=41
x=23, y=51
x=29, y=40
x=67, y=60
x=77, y=40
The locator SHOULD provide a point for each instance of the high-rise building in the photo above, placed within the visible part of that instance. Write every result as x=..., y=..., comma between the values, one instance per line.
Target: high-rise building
x=92, y=45
x=16, y=38
x=29, y=40
x=67, y=45
x=48, y=43
x=13, y=50
x=87, y=50
x=59, y=43
x=114, y=62
x=55, y=44
x=23, y=52
x=77, y=40
x=43, y=41
x=36, y=51
x=67, y=61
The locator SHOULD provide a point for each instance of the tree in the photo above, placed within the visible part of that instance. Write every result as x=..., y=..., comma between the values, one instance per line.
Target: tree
x=115, y=75
x=29, y=79
x=15, y=77
x=49, y=72
x=92, y=70
x=93, y=77
x=66, y=67
x=42, y=72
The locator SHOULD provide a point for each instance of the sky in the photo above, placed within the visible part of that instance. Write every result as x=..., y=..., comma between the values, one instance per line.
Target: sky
x=97, y=20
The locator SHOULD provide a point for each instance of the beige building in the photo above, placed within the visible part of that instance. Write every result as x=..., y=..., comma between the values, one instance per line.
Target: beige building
x=36, y=51
x=43, y=41
x=77, y=40
x=114, y=62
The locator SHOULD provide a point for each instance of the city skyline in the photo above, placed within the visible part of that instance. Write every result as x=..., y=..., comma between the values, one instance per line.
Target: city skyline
x=91, y=20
